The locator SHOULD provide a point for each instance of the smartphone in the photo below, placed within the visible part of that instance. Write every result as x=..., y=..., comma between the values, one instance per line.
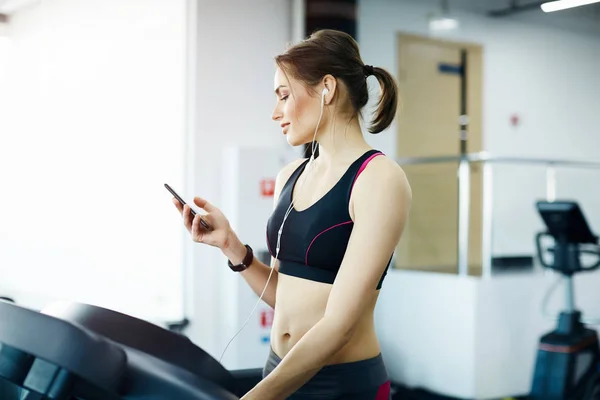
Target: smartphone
x=182, y=202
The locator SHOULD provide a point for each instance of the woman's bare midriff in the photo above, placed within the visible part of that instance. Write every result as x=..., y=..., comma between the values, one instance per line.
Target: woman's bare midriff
x=301, y=303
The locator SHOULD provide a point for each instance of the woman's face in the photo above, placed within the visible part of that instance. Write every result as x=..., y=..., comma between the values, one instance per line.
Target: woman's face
x=298, y=114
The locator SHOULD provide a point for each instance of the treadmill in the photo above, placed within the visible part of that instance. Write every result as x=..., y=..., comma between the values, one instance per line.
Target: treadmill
x=78, y=351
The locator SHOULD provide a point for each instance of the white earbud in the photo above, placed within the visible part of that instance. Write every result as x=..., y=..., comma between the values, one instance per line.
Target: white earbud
x=325, y=91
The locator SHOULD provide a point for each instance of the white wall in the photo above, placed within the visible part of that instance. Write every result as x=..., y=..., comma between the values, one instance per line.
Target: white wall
x=3, y=29
x=236, y=43
x=546, y=75
x=470, y=338
x=92, y=127
x=5, y=48
x=247, y=209
x=426, y=325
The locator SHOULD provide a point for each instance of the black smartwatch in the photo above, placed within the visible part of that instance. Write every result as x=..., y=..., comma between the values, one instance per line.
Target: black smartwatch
x=245, y=262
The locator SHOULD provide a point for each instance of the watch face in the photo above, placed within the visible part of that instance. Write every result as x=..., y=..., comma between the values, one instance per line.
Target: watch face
x=240, y=267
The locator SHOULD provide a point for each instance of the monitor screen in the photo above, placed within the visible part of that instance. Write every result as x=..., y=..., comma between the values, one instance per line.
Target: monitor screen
x=564, y=219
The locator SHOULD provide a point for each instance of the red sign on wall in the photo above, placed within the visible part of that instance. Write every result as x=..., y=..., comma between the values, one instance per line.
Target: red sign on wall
x=267, y=187
x=266, y=318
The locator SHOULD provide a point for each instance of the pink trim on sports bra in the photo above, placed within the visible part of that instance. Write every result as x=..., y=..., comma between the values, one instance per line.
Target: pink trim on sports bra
x=269, y=244
x=315, y=238
x=363, y=166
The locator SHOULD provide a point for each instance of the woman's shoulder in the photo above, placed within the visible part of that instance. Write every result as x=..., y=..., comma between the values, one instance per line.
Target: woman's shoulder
x=285, y=173
x=381, y=194
x=384, y=174
x=383, y=166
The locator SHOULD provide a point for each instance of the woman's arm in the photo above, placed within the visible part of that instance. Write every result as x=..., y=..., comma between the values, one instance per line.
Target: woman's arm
x=381, y=201
x=256, y=274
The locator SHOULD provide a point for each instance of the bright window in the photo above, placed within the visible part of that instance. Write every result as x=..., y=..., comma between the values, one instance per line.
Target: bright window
x=92, y=126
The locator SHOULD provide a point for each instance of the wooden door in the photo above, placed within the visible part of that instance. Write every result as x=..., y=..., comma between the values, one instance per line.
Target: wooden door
x=430, y=89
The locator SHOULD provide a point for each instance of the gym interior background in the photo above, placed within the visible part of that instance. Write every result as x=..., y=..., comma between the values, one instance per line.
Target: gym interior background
x=104, y=101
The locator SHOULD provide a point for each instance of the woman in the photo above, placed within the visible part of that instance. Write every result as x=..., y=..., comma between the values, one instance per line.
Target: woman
x=336, y=222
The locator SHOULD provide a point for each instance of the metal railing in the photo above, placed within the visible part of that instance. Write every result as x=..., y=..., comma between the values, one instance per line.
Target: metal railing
x=464, y=187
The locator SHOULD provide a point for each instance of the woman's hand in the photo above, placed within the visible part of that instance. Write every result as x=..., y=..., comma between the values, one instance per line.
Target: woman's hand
x=220, y=232
x=220, y=235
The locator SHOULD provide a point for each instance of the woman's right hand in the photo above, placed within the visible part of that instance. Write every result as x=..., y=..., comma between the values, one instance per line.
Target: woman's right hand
x=220, y=234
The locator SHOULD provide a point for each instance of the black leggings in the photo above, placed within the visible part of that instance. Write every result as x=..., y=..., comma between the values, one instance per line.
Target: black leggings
x=358, y=380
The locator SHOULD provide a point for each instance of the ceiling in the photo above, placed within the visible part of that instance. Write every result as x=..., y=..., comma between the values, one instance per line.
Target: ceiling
x=484, y=6
x=579, y=19
x=589, y=12
x=10, y=6
x=584, y=18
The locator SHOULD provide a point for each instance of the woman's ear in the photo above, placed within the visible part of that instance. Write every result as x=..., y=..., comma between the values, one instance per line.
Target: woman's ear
x=329, y=83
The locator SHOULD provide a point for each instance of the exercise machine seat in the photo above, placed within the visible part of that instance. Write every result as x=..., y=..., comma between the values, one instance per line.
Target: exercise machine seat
x=59, y=359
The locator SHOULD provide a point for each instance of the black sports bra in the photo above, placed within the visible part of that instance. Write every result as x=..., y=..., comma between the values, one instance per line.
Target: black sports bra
x=314, y=240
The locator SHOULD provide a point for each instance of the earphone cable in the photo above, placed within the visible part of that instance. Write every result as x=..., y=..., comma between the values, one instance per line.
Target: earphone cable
x=280, y=231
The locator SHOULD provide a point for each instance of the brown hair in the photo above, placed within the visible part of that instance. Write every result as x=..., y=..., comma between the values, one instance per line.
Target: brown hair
x=333, y=52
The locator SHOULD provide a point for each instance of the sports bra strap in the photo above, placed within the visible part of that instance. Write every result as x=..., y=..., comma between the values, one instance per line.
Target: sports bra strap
x=349, y=178
x=291, y=181
x=363, y=166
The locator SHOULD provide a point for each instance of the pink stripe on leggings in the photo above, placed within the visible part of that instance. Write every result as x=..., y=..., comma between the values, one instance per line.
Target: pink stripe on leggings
x=384, y=391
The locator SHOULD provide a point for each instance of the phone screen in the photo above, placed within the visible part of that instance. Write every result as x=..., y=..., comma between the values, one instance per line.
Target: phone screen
x=182, y=202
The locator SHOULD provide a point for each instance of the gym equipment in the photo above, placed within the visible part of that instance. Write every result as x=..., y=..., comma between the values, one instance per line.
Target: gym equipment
x=568, y=358
x=71, y=350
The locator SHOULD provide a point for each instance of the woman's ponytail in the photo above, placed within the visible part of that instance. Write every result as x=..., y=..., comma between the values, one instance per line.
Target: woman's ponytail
x=388, y=102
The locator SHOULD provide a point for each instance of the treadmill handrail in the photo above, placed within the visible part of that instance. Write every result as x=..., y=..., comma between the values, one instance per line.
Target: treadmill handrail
x=64, y=344
x=144, y=336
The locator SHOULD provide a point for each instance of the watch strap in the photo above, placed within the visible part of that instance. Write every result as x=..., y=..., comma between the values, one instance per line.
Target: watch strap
x=245, y=262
